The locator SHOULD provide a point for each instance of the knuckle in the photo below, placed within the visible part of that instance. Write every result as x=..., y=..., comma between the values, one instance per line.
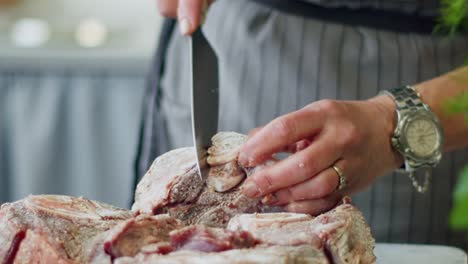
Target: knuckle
x=351, y=136
x=307, y=166
x=284, y=127
x=331, y=107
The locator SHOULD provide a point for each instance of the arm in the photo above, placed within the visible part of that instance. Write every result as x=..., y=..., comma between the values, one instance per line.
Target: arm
x=436, y=93
x=353, y=135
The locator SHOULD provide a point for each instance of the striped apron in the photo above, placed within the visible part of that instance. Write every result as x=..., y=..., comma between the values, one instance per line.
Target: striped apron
x=274, y=62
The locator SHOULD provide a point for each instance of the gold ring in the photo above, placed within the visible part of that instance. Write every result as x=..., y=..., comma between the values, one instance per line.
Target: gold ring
x=341, y=176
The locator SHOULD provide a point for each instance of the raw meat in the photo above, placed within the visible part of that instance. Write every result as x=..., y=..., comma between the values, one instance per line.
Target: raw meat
x=215, y=209
x=35, y=248
x=259, y=255
x=172, y=178
x=67, y=230
x=278, y=228
x=350, y=241
x=129, y=237
x=342, y=232
x=68, y=225
x=225, y=147
x=206, y=239
x=224, y=177
x=219, y=199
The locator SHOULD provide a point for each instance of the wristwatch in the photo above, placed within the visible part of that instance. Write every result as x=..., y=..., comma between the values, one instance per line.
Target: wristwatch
x=418, y=134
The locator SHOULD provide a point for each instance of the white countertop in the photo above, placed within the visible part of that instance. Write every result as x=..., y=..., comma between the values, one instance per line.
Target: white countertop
x=415, y=254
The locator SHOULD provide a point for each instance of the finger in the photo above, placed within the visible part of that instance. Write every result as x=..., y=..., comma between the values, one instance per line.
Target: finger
x=320, y=186
x=293, y=148
x=294, y=169
x=280, y=133
x=168, y=8
x=189, y=14
x=313, y=207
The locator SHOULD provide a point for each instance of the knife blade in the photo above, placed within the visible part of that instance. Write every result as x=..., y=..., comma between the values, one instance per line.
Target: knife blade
x=204, y=87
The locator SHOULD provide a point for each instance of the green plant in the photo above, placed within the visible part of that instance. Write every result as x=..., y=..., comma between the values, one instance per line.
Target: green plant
x=458, y=105
x=459, y=214
x=454, y=16
x=453, y=19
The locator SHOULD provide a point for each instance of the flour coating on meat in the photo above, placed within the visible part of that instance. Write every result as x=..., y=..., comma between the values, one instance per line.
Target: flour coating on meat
x=180, y=218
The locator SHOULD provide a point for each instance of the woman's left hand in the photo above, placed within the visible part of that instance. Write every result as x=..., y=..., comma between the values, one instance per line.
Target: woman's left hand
x=354, y=136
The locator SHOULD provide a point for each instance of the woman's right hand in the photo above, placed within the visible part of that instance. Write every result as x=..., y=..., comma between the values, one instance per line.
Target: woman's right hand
x=188, y=12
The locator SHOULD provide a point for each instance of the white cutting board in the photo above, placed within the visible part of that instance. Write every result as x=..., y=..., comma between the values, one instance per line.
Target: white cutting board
x=415, y=254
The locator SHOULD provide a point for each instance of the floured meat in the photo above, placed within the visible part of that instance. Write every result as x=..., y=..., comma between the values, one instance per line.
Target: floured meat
x=205, y=239
x=68, y=225
x=224, y=177
x=278, y=228
x=220, y=197
x=350, y=241
x=258, y=255
x=342, y=232
x=225, y=147
x=60, y=229
x=129, y=237
x=172, y=178
x=35, y=248
x=215, y=209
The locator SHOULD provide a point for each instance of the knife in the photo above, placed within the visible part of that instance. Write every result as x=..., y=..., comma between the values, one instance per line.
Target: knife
x=204, y=87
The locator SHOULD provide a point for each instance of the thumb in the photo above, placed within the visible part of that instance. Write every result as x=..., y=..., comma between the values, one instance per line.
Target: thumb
x=189, y=15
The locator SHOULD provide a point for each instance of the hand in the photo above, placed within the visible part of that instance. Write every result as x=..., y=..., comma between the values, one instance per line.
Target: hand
x=188, y=12
x=352, y=135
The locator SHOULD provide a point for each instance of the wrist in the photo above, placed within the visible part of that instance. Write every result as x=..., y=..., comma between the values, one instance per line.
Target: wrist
x=386, y=108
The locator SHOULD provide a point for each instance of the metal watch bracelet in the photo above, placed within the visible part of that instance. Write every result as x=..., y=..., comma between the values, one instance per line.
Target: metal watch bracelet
x=406, y=100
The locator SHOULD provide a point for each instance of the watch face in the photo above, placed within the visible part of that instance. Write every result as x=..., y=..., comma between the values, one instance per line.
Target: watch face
x=423, y=137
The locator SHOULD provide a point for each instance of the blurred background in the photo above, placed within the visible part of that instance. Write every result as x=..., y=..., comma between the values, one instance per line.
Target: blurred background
x=72, y=77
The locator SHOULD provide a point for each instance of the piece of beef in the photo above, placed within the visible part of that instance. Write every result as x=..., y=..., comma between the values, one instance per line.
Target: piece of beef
x=278, y=228
x=350, y=241
x=69, y=225
x=60, y=229
x=157, y=248
x=219, y=199
x=172, y=178
x=215, y=209
x=129, y=237
x=341, y=232
x=259, y=255
x=35, y=248
x=206, y=239
x=223, y=178
x=225, y=148
x=11, y=236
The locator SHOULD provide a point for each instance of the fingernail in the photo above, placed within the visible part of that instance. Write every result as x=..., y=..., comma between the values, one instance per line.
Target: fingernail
x=185, y=26
x=243, y=160
x=250, y=189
